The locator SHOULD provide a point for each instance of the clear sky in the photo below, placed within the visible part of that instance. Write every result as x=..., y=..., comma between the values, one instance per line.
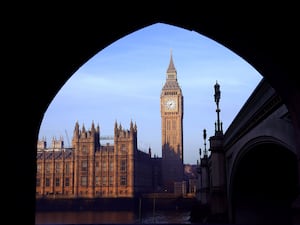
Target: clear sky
x=123, y=83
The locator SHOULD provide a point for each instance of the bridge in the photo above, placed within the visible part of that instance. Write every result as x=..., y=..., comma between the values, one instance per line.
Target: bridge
x=251, y=175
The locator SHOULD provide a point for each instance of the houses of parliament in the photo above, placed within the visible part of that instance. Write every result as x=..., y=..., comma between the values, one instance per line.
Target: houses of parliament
x=88, y=169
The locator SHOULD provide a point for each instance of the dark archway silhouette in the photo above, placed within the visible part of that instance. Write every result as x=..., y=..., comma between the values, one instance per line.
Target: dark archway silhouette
x=46, y=44
x=264, y=186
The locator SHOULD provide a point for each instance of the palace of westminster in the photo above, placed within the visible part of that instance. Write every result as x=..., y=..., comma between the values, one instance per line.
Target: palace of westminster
x=91, y=170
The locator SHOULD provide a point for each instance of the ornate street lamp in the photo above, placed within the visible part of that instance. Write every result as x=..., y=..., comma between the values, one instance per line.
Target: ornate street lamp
x=217, y=95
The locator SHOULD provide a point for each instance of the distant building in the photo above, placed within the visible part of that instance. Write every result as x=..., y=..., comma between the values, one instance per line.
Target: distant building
x=91, y=170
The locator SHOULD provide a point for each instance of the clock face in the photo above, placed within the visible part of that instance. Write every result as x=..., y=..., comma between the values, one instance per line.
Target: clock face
x=170, y=104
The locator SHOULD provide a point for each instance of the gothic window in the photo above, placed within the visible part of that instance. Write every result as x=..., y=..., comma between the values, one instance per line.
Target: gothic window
x=39, y=168
x=104, y=181
x=57, y=167
x=83, y=181
x=97, y=180
x=67, y=167
x=84, y=148
x=111, y=166
x=97, y=165
x=123, y=180
x=84, y=166
x=104, y=166
x=67, y=182
x=168, y=125
x=47, y=181
x=123, y=147
x=47, y=167
x=111, y=181
x=57, y=182
x=123, y=165
x=173, y=124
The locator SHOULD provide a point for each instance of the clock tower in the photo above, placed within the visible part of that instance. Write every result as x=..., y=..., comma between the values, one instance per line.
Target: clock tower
x=171, y=108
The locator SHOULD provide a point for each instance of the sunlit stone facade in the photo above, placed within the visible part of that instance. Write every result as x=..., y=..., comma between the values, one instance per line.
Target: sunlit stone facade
x=89, y=169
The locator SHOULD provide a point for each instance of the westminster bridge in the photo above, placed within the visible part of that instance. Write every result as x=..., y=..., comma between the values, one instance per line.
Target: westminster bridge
x=251, y=175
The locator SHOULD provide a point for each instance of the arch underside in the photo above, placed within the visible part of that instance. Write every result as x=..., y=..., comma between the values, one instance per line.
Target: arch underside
x=264, y=185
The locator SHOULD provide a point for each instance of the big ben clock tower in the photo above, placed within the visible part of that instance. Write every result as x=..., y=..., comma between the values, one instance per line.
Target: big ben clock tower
x=171, y=108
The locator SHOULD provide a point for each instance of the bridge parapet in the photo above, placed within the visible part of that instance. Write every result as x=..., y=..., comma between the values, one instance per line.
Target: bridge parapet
x=262, y=102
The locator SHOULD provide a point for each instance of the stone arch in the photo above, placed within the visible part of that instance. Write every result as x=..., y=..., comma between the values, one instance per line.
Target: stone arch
x=263, y=183
x=49, y=50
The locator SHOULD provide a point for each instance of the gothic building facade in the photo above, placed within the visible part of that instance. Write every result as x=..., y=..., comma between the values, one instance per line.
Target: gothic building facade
x=91, y=170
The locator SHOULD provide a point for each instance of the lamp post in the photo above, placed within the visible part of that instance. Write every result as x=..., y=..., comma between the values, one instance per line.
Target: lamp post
x=217, y=95
x=204, y=137
x=200, y=152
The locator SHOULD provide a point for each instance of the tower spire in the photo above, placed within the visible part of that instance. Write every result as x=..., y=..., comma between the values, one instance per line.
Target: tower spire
x=171, y=71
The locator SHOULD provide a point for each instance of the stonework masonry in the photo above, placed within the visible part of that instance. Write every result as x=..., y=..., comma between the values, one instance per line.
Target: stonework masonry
x=91, y=170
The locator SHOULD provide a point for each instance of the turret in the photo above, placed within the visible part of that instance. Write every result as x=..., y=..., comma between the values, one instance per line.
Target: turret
x=42, y=144
x=57, y=144
x=88, y=137
x=76, y=130
x=126, y=136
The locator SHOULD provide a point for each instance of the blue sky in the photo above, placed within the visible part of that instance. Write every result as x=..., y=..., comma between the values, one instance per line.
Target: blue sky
x=123, y=83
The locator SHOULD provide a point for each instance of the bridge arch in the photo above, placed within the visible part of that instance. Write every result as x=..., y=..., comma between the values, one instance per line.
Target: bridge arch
x=263, y=183
x=276, y=128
